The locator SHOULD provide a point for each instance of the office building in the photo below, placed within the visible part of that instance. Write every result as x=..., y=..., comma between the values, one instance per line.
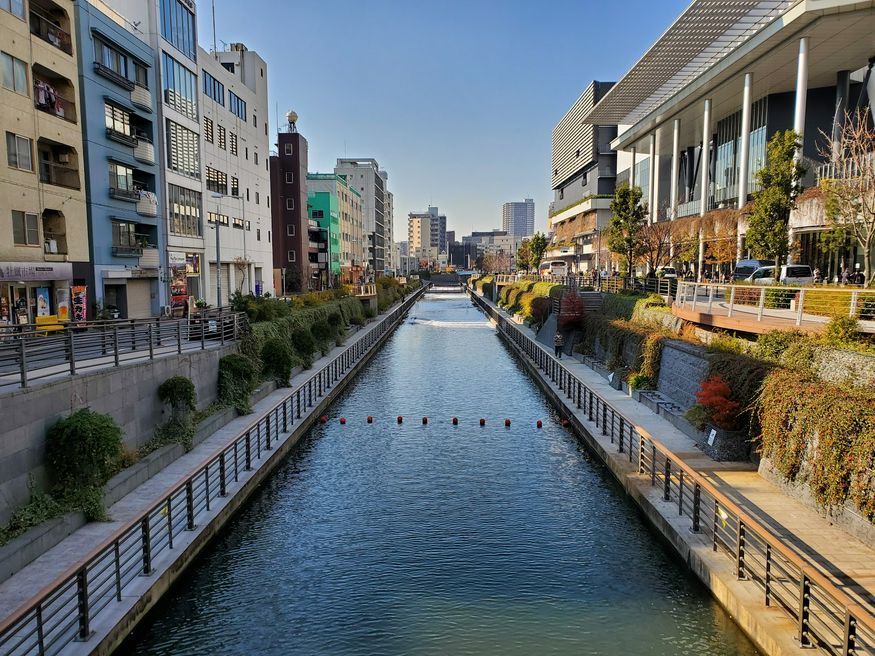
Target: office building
x=44, y=246
x=365, y=175
x=518, y=218
x=351, y=253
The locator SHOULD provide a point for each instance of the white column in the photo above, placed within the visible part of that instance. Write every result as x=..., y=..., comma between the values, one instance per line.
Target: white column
x=651, y=180
x=632, y=170
x=744, y=154
x=705, y=164
x=675, y=169
x=801, y=89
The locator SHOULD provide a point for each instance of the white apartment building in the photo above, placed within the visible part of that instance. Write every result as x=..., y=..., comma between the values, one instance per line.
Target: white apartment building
x=235, y=176
x=518, y=218
x=364, y=174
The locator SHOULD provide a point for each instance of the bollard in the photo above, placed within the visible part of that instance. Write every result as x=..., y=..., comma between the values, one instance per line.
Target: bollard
x=424, y=421
x=540, y=424
x=455, y=421
x=482, y=421
x=370, y=419
x=400, y=419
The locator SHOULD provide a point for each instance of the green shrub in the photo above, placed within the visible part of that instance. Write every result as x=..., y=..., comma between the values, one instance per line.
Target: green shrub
x=773, y=344
x=304, y=345
x=83, y=449
x=841, y=331
x=323, y=333
x=277, y=360
x=639, y=381
x=179, y=392
x=780, y=297
x=619, y=306
x=238, y=377
x=697, y=416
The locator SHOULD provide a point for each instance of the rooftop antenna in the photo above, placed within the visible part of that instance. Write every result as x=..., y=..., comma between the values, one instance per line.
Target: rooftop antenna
x=215, y=52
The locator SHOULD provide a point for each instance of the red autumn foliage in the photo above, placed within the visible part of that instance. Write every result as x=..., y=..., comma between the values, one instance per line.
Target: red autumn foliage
x=570, y=311
x=714, y=396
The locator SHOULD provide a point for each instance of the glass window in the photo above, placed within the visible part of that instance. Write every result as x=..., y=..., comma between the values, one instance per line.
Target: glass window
x=13, y=7
x=214, y=89
x=180, y=87
x=111, y=58
x=290, y=203
x=184, y=209
x=177, y=26
x=208, y=130
x=213, y=217
x=223, y=139
x=237, y=106
x=123, y=234
x=233, y=143
x=121, y=177
x=290, y=177
x=183, y=150
x=25, y=229
x=117, y=120
x=291, y=256
x=141, y=74
x=19, y=152
x=217, y=181
x=14, y=74
x=290, y=230
x=235, y=186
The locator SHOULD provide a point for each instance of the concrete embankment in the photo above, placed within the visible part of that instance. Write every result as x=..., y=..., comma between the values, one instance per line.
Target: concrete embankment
x=770, y=628
x=146, y=574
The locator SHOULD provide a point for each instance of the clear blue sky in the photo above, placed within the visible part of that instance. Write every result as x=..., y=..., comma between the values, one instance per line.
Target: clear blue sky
x=455, y=98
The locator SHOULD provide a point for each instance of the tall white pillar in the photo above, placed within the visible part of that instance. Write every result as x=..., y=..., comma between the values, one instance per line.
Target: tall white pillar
x=632, y=170
x=744, y=168
x=651, y=180
x=705, y=165
x=801, y=88
x=675, y=170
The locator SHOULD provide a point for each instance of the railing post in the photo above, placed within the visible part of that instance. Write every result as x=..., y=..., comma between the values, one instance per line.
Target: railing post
x=849, y=645
x=267, y=437
x=189, y=505
x=248, y=451
x=710, y=297
x=762, y=304
x=147, y=545
x=739, y=550
x=72, y=348
x=622, y=433
x=731, y=301
x=716, y=523
x=640, y=454
x=117, y=555
x=221, y=325
x=22, y=359
x=652, y=464
x=666, y=491
x=681, y=492
x=695, y=295
x=222, y=482
x=285, y=416
x=801, y=305
x=804, y=610
x=151, y=346
x=203, y=333
x=767, y=576
x=179, y=336
x=697, y=506
x=115, y=343
x=82, y=602
x=604, y=418
x=855, y=296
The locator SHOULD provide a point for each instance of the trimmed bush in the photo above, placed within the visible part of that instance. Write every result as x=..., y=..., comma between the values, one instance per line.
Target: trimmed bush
x=305, y=345
x=83, y=450
x=179, y=392
x=277, y=360
x=773, y=344
x=238, y=377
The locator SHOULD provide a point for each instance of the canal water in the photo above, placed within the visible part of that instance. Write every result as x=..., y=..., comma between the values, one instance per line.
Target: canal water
x=439, y=539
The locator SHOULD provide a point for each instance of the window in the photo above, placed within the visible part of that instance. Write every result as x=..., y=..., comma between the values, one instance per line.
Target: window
x=214, y=89
x=25, y=229
x=258, y=234
x=237, y=106
x=291, y=256
x=180, y=87
x=223, y=138
x=19, y=152
x=247, y=193
x=123, y=234
x=121, y=177
x=246, y=153
x=235, y=186
x=268, y=236
x=255, y=155
x=110, y=57
x=208, y=130
x=184, y=208
x=268, y=201
x=318, y=214
x=141, y=74
x=290, y=230
x=183, y=150
x=233, y=143
x=13, y=7
x=290, y=177
x=14, y=73
x=290, y=203
x=237, y=223
x=177, y=26
x=217, y=181
x=213, y=217
x=117, y=119
x=288, y=149
x=254, y=120
x=256, y=198
x=248, y=226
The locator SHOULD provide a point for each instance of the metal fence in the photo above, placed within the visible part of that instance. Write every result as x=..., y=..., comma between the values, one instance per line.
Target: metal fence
x=30, y=353
x=826, y=617
x=794, y=304
x=661, y=286
x=65, y=612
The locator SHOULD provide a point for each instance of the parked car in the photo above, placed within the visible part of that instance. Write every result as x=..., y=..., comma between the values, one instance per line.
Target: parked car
x=554, y=268
x=790, y=274
x=666, y=272
x=744, y=268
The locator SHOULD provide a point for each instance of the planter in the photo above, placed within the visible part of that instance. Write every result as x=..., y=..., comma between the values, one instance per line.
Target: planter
x=725, y=445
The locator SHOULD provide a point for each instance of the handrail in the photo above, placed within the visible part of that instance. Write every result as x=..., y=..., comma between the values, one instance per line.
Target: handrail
x=852, y=625
x=63, y=611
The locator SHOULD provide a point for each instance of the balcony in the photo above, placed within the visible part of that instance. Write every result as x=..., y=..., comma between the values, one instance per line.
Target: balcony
x=142, y=98
x=144, y=151
x=121, y=137
x=50, y=31
x=111, y=75
x=312, y=225
x=147, y=204
x=54, y=235
x=127, y=251
x=59, y=175
x=149, y=258
x=128, y=195
x=48, y=98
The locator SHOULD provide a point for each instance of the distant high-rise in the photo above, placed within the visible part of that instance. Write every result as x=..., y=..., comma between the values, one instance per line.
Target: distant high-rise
x=518, y=218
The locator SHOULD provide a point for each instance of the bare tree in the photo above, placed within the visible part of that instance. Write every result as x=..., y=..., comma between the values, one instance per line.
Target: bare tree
x=241, y=266
x=655, y=241
x=849, y=186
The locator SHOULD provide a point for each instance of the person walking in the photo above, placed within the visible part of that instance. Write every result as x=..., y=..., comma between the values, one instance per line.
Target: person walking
x=558, y=343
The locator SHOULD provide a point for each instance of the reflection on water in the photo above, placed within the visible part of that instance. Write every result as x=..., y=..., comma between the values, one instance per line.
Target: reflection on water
x=439, y=539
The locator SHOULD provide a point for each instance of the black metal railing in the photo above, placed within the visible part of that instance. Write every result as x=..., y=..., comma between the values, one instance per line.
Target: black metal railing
x=67, y=610
x=826, y=617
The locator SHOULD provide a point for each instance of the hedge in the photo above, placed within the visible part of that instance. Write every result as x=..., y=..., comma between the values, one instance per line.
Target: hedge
x=619, y=338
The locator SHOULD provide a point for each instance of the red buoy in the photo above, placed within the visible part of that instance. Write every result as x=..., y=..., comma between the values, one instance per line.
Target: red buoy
x=343, y=420
x=424, y=421
x=400, y=419
x=482, y=421
x=455, y=421
x=323, y=419
x=507, y=423
x=565, y=423
x=540, y=424
x=370, y=419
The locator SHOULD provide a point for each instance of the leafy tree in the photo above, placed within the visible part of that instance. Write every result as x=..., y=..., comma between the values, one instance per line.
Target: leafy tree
x=537, y=246
x=781, y=182
x=627, y=224
x=849, y=195
x=524, y=256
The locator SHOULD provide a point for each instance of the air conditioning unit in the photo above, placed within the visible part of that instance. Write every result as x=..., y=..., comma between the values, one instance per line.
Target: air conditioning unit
x=64, y=158
x=167, y=310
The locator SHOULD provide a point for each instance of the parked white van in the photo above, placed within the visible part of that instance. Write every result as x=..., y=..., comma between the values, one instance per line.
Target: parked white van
x=790, y=274
x=554, y=268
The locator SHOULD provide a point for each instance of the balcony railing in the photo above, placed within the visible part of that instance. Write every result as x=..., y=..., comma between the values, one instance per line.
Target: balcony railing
x=121, y=137
x=144, y=151
x=59, y=175
x=846, y=171
x=111, y=75
x=142, y=97
x=50, y=32
x=127, y=251
x=47, y=100
x=147, y=206
x=129, y=195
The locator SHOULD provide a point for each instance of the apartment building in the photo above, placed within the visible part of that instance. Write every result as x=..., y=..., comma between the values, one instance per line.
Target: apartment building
x=518, y=218
x=350, y=255
x=391, y=255
x=236, y=172
x=117, y=83
x=44, y=255
x=364, y=174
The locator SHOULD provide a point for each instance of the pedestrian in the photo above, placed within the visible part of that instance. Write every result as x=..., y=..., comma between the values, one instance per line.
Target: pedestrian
x=844, y=276
x=558, y=343
x=817, y=277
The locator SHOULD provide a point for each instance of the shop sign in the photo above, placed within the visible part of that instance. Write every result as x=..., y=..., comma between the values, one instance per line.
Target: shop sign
x=43, y=305
x=62, y=303
x=25, y=271
x=80, y=303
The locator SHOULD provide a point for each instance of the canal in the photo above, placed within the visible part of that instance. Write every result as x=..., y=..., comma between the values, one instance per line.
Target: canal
x=439, y=539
